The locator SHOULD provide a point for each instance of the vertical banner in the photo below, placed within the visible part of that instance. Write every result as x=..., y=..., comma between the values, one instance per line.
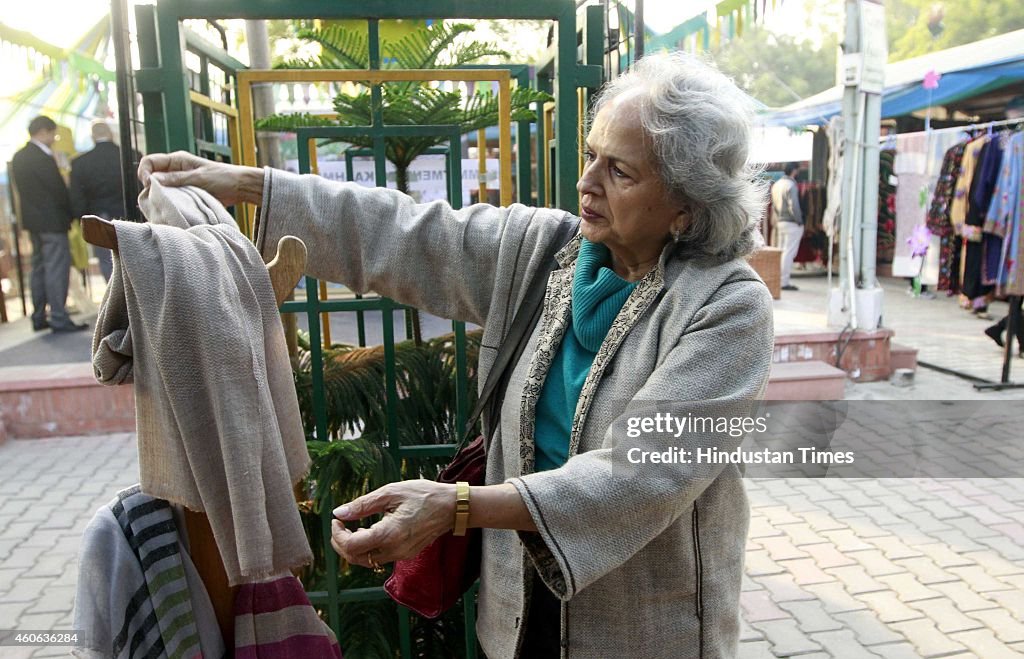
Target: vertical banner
x=874, y=49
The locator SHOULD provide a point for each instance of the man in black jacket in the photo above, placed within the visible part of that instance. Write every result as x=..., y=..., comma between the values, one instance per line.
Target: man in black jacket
x=46, y=215
x=96, y=186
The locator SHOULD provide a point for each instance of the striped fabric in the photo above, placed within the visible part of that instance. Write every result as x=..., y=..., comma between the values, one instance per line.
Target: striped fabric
x=275, y=620
x=158, y=621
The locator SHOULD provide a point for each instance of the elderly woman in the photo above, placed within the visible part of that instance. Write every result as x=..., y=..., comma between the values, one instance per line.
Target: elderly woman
x=653, y=301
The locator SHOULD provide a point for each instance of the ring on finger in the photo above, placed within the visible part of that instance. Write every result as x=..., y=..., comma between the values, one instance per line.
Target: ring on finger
x=377, y=567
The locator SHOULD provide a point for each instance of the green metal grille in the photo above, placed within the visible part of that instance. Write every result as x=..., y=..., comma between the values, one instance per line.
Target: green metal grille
x=313, y=307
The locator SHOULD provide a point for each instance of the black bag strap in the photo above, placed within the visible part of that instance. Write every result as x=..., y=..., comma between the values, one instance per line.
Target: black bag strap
x=511, y=349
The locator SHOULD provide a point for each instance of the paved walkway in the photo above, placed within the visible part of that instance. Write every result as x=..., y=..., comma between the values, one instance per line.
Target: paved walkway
x=835, y=568
x=20, y=346
x=885, y=568
x=49, y=490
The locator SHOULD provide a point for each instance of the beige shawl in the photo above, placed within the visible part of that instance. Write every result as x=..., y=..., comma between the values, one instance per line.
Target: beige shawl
x=190, y=318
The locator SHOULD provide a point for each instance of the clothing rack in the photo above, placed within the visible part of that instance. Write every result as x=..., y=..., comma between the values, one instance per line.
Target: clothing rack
x=1014, y=320
x=987, y=124
x=287, y=266
x=889, y=141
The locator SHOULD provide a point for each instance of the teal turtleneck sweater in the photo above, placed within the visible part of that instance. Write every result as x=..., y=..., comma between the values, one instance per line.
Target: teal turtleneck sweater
x=597, y=296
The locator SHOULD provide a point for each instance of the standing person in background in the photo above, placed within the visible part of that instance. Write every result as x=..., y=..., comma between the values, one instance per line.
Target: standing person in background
x=789, y=218
x=96, y=186
x=46, y=215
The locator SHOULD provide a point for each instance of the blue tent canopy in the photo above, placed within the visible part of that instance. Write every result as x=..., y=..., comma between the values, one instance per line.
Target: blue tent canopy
x=967, y=71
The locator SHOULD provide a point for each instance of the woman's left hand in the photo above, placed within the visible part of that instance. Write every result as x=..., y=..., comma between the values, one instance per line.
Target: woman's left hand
x=415, y=513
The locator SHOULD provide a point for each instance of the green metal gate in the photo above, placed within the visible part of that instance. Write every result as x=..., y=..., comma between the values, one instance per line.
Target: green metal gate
x=171, y=97
x=313, y=307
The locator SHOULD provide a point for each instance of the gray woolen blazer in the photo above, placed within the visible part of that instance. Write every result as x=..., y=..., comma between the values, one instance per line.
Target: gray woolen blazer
x=647, y=561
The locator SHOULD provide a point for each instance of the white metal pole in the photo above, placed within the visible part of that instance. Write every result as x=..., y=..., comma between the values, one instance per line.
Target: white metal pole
x=862, y=74
x=869, y=204
x=849, y=76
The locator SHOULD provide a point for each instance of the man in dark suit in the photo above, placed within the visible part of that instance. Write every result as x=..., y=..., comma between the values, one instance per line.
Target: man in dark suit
x=46, y=215
x=96, y=186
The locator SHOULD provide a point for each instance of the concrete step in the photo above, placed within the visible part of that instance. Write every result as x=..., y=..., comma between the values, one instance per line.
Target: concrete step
x=901, y=356
x=61, y=400
x=65, y=400
x=806, y=380
x=864, y=354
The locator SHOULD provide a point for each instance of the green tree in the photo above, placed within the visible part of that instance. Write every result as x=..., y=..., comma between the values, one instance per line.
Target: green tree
x=918, y=27
x=405, y=103
x=526, y=40
x=779, y=69
x=285, y=45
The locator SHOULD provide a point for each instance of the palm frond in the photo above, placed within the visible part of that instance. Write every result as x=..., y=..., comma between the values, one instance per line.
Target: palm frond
x=418, y=106
x=422, y=48
x=346, y=469
x=475, y=51
x=300, y=63
x=421, y=105
x=354, y=109
x=409, y=103
x=482, y=109
x=356, y=458
x=340, y=48
x=289, y=122
x=354, y=390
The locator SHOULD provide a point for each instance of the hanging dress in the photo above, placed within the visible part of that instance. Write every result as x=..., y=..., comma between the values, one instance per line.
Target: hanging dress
x=886, y=234
x=976, y=207
x=1004, y=215
x=938, y=220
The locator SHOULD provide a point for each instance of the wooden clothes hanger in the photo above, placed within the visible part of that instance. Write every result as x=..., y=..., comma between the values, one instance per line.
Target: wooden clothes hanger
x=99, y=232
x=285, y=269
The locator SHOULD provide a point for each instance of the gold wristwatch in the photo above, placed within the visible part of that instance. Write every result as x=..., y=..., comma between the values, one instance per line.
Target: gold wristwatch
x=461, y=508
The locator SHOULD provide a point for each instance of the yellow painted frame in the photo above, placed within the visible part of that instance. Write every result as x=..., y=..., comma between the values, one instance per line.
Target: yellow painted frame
x=235, y=140
x=481, y=174
x=581, y=112
x=231, y=113
x=245, y=80
x=549, y=133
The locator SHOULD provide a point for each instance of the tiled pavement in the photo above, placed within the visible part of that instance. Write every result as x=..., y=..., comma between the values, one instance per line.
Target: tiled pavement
x=891, y=567
x=885, y=568
x=49, y=490
x=835, y=568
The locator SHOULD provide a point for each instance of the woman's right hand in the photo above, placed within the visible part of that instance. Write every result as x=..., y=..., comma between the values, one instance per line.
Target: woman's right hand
x=230, y=184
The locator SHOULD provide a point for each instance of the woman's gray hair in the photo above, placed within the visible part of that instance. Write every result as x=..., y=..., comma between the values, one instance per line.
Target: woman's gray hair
x=699, y=125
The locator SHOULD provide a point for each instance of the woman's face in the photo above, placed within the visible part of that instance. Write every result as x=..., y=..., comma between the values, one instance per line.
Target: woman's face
x=623, y=202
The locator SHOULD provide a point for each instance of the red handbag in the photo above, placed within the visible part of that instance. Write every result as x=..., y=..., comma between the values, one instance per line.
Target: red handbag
x=432, y=582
